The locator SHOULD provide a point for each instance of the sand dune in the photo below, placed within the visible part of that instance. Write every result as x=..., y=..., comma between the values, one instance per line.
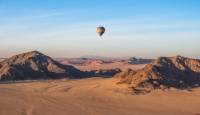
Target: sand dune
x=94, y=96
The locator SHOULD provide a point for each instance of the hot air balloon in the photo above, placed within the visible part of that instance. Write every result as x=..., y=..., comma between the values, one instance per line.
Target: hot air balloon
x=100, y=30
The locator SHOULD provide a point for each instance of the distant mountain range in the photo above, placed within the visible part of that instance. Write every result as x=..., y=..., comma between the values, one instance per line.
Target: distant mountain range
x=86, y=61
x=104, y=58
x=139, y=61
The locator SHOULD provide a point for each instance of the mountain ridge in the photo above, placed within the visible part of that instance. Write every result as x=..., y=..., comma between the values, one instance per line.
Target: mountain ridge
x=34, y=64
x=165, y=72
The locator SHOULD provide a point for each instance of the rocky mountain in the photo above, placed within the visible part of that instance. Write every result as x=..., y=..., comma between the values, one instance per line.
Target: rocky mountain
x=35, y=65
x=165, y=72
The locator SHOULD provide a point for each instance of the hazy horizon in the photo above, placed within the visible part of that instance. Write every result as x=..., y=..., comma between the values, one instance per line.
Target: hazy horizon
x=142, y=28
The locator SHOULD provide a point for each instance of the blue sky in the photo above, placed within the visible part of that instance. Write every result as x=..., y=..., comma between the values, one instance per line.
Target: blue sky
x=66, y=28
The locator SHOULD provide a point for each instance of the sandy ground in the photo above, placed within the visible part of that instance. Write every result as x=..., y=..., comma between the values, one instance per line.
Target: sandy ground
x=93, y=96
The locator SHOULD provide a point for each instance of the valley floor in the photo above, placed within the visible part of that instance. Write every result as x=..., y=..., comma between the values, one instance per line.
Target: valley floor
x=93, y=96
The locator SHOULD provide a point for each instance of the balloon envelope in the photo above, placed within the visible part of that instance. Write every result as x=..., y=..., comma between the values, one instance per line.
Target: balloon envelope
x=100, y=30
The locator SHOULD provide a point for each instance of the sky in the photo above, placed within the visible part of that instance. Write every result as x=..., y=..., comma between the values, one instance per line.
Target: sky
x=67, y=28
